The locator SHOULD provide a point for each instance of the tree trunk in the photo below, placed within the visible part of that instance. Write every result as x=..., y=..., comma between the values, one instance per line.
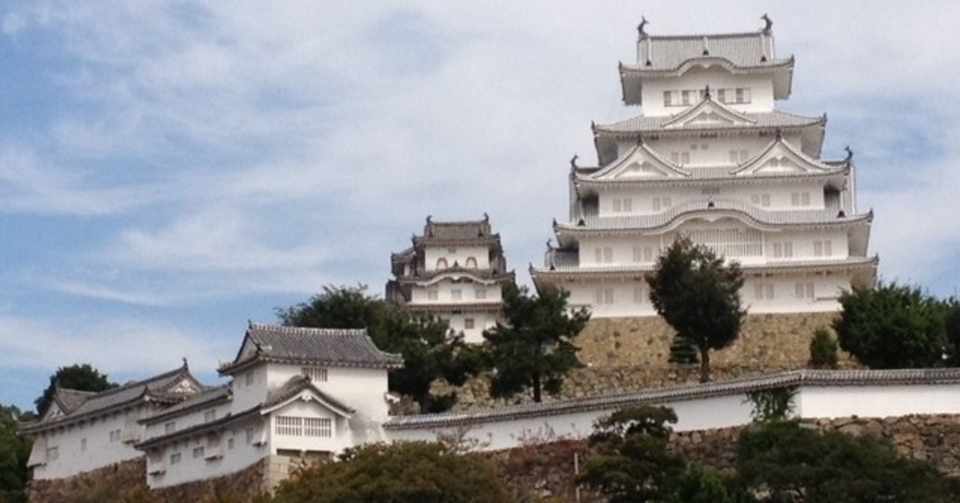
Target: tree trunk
x=536, y=388
x=704, y=365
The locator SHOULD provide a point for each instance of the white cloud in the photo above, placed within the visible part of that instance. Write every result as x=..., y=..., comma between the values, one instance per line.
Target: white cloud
x=301, y=143
x=114, y=346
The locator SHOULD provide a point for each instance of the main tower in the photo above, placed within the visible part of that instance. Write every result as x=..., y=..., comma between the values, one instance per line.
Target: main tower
x=711, y=157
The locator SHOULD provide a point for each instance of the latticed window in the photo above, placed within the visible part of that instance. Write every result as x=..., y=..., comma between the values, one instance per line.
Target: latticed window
x=638, y=295
x=316, y=374
x=290, y=426
x=730, y=242
x=318, y=427
x=481, y=292
x=175, y=458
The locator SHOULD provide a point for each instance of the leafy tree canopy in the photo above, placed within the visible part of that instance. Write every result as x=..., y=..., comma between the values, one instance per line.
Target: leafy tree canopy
x=698, y=294
x=785, y=461
x=429, y=350
x=14, y=452
x=81, y=377
x=892, y=326
x=534, y=349
x=404, y=472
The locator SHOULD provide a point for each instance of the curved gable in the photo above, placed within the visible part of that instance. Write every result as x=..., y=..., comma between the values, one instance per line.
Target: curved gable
x=780, y=157
x=640, y=162
x=709, y=112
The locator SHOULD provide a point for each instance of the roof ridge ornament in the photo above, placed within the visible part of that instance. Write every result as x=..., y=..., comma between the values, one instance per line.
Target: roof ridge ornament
x=849, y=152
x=768, y=24
x=706, y=92
x=641, y=28
x=573, y=162
x=640, y=140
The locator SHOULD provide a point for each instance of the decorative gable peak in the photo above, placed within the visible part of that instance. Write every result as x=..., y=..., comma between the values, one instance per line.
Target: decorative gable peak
x=640, y=162
x=708, y=113
x=780, y=157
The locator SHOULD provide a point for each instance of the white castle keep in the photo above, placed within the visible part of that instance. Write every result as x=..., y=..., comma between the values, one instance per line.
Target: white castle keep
x=712, y=158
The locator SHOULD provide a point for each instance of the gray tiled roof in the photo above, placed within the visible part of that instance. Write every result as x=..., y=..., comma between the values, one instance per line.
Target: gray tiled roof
x=323, y=346
x=760, y=216
x=567, y=261
x=156, y=387
x=207, y=396
x=669, y=52
x=643, y=124
x=688, y=392
x=295, y=385
x=70, y=399
x=457, y=269
x=210, y=426
x=464, y=230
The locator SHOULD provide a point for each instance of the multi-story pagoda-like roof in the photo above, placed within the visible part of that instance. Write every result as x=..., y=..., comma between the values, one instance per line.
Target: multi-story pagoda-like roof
x=672, y=56
x=409, y=262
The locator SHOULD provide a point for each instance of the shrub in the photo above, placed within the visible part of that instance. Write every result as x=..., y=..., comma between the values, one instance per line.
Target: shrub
x=823, y=350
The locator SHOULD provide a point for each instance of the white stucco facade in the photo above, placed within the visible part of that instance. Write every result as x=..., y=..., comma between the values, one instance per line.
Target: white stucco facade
x=711, y=158
x=455, y=271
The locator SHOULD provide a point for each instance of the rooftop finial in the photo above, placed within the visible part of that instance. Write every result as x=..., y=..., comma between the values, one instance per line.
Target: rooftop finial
x=554, y=223
x=549, y=245
x=185, y=364
x=573, y=161
x=429, y=219
x=768, y=26
x=641, y=28
x=849, y=153
x=486, y=217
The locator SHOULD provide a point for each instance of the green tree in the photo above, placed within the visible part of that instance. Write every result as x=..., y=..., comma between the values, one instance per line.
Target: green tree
x=534, y=349
x=892, y=326
x=698, y=294
x=429, y=350
x=787, y=462
x=952, y=328
x=14, y=452
x=632, y=463
x=82, y=377
x=823, y=350
x=404, y=472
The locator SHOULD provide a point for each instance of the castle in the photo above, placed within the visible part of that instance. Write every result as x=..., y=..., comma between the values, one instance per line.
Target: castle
x=710, y=158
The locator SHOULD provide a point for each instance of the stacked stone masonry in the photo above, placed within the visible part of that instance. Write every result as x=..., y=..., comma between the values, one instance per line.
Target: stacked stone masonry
x=631, y=354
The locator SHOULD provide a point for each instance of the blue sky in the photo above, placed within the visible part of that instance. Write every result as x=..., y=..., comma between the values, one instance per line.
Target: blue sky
x=169, y=170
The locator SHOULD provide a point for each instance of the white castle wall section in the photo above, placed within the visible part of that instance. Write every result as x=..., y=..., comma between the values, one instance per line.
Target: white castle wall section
x=458, y=254
x=445, y=293
x=696, y=79
x=360, y=388
x=100, y=450
x=238, y=450
x=629, y=295
x=711, y=152
x=481, y=321
x=810, y=402
x=779, y=194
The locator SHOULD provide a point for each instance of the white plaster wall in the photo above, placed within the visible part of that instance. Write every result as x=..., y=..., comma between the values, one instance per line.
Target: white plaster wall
x=458, y=254
x=696, y=79
x=802, y=243
x=878, y=401
x=246, y=395
x=642, y=199
x=468, y=292
x=715, y=412
x=189, y=468
x=481, y=321
x=190, y=419
x=826, y=290
x=100, y=451
x=717, y=151
x=358, y=388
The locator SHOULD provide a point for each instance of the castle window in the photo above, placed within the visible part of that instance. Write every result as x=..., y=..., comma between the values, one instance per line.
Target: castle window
x=608, y=255
x=763, y=291
x=209, y=415
x=468, y=323
x=53, y=453
x=230, y=443
x=471, y=262
x=83, y=445
x=804, y=290
x=432, y=294
x=637, y=254
x=685, y=97
x=170, y=427
x=668, y=98
x=289, y=426
x=175, y=458
x=616, y=206
x=480, y=292
x=456, y=294
x=638, y=295
x=316, y=374
x=743, y=95
x=198, y=452
x=442, y=263
x=114, y=435
x=722, y=95
x=321, y=427
x=684, y=157
x=249, y=377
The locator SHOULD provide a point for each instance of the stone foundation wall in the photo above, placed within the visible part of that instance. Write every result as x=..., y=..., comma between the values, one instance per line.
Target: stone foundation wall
x=631, y=354
x=126, y=482
x=547, y=470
